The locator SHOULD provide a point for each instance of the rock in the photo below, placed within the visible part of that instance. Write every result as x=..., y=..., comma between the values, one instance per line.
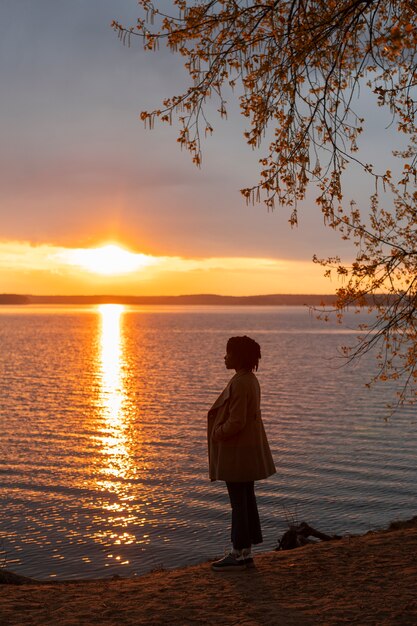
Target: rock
x=9, y=578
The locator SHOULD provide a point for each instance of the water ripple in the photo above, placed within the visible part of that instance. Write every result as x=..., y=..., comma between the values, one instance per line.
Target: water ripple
x=103, y=463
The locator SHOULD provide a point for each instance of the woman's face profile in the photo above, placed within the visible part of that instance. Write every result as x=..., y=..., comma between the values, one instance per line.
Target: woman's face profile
x=231, y=362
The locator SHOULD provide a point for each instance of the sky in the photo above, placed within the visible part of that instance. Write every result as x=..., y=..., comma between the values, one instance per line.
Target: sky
x=78, y=171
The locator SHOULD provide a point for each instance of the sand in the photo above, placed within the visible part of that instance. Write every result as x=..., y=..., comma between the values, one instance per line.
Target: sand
x=371, y=579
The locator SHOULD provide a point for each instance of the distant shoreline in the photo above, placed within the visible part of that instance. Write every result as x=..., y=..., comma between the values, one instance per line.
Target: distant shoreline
x=198, y=299
x=194, y=299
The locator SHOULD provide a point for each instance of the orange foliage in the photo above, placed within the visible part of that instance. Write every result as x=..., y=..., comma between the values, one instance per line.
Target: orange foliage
x=297, y=66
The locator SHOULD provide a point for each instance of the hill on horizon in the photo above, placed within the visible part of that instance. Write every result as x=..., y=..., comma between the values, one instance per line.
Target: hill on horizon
x=191, y=299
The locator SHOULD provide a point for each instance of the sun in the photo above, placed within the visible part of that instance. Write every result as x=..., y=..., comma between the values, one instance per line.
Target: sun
x=107, y=260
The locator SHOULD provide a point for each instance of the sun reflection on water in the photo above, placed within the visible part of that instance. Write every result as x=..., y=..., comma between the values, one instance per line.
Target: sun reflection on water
x=112, y=388
x=111, y=352
x=117, y=454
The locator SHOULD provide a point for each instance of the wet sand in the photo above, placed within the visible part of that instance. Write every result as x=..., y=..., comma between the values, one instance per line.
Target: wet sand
x=371, y=579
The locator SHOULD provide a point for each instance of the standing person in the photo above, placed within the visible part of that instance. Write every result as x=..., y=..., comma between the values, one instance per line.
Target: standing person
x=238, y=449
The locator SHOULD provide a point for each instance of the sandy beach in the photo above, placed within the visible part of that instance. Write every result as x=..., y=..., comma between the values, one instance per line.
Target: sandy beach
x=370, y=579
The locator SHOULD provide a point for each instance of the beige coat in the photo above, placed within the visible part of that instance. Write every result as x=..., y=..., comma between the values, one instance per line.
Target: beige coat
x=237, y=445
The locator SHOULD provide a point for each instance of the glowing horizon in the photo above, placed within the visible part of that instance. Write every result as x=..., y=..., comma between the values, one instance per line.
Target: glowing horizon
x=47, y=269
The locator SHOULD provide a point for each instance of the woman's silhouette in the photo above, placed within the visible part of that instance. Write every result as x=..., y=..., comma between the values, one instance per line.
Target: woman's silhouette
x=238, y=449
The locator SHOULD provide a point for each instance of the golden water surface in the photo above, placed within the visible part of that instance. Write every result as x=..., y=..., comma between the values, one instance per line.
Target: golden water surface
x=103, y=465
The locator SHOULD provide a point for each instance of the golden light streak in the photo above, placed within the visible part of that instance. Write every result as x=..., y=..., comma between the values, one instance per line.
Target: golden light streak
x=111, y=383
x=117, y=456
x=112, y=389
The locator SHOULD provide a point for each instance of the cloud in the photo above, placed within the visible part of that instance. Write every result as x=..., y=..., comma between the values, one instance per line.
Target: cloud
x=78, y=167
x=51, y=269
x=21, y=256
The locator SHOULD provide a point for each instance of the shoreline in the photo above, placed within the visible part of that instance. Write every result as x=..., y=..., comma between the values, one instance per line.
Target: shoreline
x=277, y=299
x=363, y=579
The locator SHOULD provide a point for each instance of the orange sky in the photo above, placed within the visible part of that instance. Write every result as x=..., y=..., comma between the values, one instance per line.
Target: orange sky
x=79, y=170
x=47, y=269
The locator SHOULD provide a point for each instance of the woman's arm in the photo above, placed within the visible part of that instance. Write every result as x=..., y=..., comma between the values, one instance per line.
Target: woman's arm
x=238, y=408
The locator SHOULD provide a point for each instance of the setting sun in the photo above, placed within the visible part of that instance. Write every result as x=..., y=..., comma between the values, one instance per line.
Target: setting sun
x=108, y=260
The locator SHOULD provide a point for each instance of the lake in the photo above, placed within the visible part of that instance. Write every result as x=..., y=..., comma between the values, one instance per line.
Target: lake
x=103, y=435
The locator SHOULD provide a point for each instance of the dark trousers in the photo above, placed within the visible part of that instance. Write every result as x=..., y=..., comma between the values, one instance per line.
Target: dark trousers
x=246, y=527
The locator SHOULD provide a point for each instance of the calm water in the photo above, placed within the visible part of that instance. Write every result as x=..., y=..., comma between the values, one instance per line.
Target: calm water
x=103, y=452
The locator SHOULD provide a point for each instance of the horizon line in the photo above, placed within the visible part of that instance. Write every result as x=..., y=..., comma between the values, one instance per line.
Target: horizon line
x=181, y=295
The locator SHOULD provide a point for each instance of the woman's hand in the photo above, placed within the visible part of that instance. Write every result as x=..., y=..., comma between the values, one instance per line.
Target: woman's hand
x=217, y=434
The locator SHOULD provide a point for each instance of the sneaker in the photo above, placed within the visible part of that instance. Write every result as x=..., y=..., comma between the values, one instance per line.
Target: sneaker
x=248, y=558
x=229, y=563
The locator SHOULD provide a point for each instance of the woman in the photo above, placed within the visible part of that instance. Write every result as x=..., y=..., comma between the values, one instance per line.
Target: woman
x=238, y=449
